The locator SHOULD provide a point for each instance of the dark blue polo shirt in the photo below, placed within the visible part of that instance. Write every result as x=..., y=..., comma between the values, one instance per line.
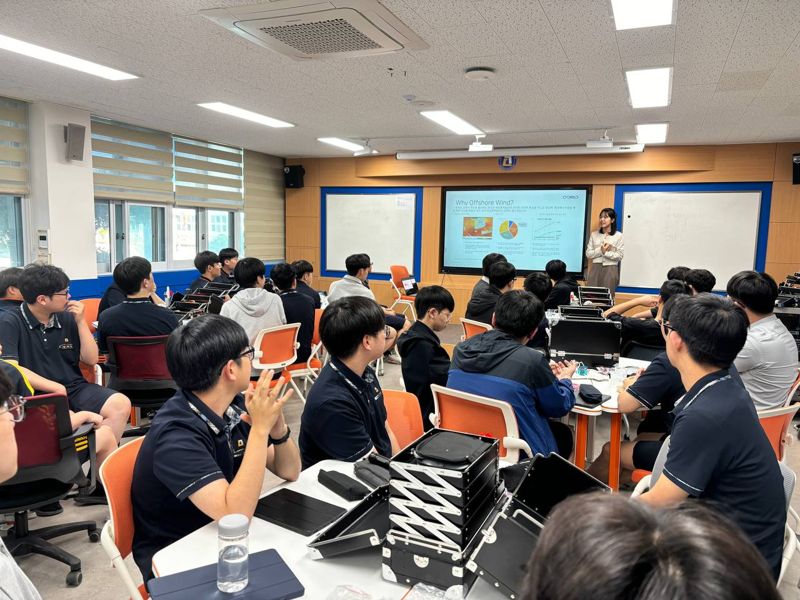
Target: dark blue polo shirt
x=111, y=297
x=344, y=416
x=52, y=351
x=135, y=317
x=719, y=453
x=299, y=309
x=225, y=278
x=185, y=450
x=660, y=386
x=9, y=305
x=197, y=284
x=307, y=290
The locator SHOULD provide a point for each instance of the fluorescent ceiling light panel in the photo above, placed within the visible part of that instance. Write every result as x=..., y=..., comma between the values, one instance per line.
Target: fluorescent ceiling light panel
x=635, y=14
x=649, y=88
x=64, y=60
x=340, y=143
x=235, y=111
x=652, y=133
x=450, y=121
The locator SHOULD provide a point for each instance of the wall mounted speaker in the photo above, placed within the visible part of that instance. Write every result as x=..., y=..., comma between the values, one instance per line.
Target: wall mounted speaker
x=796, y=169
x=293, y=176
x=74, y=136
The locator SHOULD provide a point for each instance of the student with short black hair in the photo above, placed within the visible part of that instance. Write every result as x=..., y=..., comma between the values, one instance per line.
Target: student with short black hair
x=253, y=307
x=209, y=266
x=678, y=273
x=49, y=335
x=498, y=364
x=502, y=276
x=115, y=295
x=424, y=360
x=137, y=316
x=297, y=307
x=767, y=363
x=208, y=446
x=486, y=265
x=344, y=417
x=540, y=285
x=228, y=258
x=10, y=296
x=700, y=281
x=718, y=451
x=563, y=285
x=305, y=276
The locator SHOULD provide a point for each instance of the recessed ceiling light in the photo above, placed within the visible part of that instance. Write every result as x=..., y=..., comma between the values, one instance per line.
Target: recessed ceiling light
x=649, y=88
x=452, y=122
x=651, y=133
x=479, y=73
x=634, y=14
x=340, y=143
x=64, y=60
x=235, y=111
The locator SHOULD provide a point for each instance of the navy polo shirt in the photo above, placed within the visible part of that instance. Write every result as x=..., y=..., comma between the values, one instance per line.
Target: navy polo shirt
x=660, y=386
x=9, y=305
x=300, y=309
x=307, y=290
x=188, y=447
x=197, y=284
x=223, y=277
x=111, y=297
x=135, y=317
x=719, y=453
x=344, y=416
x=52, y=350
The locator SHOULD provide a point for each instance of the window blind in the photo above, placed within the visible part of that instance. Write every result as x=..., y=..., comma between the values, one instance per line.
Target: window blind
x=207, y=175
x=13, y=147
x=264, y=206
x=131, y=163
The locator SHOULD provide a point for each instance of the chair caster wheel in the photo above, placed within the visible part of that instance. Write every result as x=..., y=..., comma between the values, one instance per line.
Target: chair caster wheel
x=74, y=578
x=94, y=536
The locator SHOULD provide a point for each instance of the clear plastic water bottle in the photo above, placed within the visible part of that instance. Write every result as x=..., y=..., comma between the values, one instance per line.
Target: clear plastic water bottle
x=573, y=300
x=232, y=567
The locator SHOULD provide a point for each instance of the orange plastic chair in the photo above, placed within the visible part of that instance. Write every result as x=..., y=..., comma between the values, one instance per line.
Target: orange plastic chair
x=470, y=413
x=276, y=348
x=775, y=422
x=400, y=272
x=793, y=389
x=404, y=415
x=309, y=371
x=116, y=473
x=91, y=307
x=473, y=328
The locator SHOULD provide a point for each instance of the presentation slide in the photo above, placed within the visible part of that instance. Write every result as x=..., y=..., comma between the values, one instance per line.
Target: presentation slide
x=528, y=226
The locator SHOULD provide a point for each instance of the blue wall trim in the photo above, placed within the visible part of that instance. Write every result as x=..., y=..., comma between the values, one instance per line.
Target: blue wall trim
x=763, y=214
x=417, y=191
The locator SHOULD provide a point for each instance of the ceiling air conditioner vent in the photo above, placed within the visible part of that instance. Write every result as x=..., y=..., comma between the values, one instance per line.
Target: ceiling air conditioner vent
x=333, y=29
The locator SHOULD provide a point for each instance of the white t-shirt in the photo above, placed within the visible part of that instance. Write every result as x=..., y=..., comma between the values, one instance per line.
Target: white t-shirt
x=13, y=582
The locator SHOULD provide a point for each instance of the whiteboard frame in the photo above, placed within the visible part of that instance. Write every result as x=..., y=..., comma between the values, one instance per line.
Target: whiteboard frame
x=765, y=188
x=371, y=191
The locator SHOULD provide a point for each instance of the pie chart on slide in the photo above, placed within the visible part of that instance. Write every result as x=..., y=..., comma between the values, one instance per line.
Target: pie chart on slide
x=508, y=230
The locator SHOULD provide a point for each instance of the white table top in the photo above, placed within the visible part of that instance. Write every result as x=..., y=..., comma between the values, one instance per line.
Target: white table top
x=603, y=383
x=319, y=577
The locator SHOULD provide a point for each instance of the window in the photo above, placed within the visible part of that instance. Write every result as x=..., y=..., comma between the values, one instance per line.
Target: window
x=11, y=251
x=184, y=234
x=146, y=232
x=220, y=229
x=102, y=235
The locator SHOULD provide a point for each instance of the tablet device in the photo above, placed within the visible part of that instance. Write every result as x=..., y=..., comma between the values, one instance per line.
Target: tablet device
x=297, y=512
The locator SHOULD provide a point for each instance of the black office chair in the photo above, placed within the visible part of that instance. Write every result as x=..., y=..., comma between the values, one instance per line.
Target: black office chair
x=641, y=351
x=49, y=465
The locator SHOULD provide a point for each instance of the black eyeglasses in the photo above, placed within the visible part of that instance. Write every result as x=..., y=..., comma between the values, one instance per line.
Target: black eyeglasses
x=14, y=405
x=64, y=293
x=249, y=352
x=665, y=325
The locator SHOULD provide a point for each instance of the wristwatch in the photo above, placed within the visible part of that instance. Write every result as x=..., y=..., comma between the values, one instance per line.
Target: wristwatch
x=281, y=440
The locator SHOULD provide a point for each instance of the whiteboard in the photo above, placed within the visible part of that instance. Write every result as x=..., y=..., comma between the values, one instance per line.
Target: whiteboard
x=379, y=224
x=717, y=231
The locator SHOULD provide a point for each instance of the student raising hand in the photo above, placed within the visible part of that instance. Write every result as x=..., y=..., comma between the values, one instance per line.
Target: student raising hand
x=265, y=405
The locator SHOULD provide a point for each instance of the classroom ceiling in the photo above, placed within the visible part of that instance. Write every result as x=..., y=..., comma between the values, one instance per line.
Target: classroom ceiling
x=559, y=73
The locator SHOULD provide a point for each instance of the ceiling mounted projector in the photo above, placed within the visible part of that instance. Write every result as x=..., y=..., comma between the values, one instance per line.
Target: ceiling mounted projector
x=478, y=146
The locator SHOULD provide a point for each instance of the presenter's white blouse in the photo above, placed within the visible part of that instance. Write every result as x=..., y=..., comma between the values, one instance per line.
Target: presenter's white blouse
x=613, y=255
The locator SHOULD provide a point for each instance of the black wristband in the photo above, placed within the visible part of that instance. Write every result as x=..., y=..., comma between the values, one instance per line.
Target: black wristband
x=280, y=440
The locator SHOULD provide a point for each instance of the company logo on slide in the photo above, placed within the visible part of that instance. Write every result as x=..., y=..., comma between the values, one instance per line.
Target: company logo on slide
x=508, y=230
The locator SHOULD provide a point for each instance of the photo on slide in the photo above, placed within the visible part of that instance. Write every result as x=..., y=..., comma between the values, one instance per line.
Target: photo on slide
x=478, y=227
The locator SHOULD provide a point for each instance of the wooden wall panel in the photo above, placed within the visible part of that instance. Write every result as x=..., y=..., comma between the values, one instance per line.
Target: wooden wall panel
x=785, y=203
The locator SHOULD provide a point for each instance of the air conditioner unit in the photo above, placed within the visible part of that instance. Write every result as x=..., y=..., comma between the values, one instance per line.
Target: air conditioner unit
x=308, y=29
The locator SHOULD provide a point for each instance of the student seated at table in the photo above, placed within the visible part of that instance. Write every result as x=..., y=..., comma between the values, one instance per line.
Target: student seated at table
x=49, y=336
x=345, y=417
x=10, y=296
x=297, y=307
x=502, y=276
x=655, y=389
x=540, y=285
x=424, y=360
x=718, y=451
x=137, y=315
x=606, y=547
x=678, y=273
x=645, y=331
x=228, y=257
x=563, y=285
x=253, y=307
x=700, y=281
x=208, y=446
x=497, y=364
x=209, y=266
x=767, y=363
x=486, y=265
x=305, y=277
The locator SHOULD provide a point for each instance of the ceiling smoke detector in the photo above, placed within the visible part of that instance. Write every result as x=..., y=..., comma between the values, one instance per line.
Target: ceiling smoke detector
x=303, y=29
x=479, y=73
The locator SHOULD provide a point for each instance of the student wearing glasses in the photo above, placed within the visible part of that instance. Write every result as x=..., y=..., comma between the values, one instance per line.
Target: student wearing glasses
x=502, y=276
x=209, y=445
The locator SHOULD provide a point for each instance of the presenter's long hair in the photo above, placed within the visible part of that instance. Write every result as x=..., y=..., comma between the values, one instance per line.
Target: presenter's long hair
x=611, y=214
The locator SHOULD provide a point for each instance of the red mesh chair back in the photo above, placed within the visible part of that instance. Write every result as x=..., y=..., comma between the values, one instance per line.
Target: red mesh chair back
x=39, y=433
x=139, y=359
